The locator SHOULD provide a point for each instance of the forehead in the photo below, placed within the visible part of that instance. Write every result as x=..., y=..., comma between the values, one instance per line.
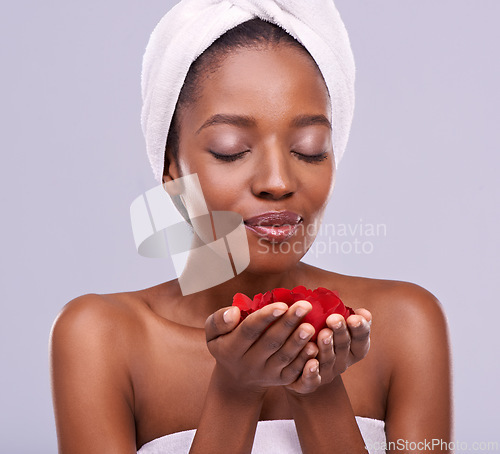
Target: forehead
x=275, y=82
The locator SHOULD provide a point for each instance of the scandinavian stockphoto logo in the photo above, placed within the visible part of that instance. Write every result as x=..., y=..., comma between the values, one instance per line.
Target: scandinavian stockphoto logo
x=358, y=238
x=331, y=239
x=207, y=247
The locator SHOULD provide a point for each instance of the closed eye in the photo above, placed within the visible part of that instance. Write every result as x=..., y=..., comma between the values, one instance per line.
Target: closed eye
x=228, y=157
x=313, y=158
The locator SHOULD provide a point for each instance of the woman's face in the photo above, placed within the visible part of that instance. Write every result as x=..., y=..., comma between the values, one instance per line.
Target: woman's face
x=259, y=138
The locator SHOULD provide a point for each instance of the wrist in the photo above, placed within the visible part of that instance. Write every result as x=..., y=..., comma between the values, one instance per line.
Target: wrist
x=335, y=386
x=225, y=384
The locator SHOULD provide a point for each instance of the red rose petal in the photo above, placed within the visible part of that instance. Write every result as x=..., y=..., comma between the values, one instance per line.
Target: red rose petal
x=283, y=295
x=242, y=301
x=257, y=301
x=301, y=292
x=316, y=318
x=324, y=303
x=266, y=299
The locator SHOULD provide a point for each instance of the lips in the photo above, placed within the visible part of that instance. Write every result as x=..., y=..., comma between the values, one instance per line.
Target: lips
x=274, y=226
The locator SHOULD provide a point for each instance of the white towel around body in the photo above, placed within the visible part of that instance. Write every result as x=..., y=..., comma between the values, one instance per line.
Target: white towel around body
x=271, y=437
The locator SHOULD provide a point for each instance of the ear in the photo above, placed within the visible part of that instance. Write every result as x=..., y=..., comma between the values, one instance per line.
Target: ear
x=171, y=175
x=170, y=169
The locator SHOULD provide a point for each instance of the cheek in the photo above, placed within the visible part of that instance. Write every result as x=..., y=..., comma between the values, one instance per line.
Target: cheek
x=319, y=187
x=222, y=187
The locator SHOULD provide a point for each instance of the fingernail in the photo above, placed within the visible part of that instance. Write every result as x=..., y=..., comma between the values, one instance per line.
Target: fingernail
x=310, y=351
x=300, y=312
x=327, y=340
x=227, y=316
x=338, y=325
x=303, y=334
x=278, y=312
x=314, y=368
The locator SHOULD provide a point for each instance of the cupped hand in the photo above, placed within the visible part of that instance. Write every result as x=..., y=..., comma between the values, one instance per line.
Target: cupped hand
x=342, y=344
x=269, y=348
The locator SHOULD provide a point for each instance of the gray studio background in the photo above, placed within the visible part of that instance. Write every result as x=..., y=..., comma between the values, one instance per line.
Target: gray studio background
x=422, y=160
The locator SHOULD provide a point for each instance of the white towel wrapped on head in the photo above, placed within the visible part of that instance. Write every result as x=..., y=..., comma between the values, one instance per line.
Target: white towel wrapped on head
x=191, y=26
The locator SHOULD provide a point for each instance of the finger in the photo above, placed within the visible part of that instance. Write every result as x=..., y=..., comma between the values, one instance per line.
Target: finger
x=334, y=320
x=277, y=334
x=289, y=322
x=221, y=322
x=309, y=380
x=250, y=329
x=359, y=329
x=326, y=355
x=292, y=372
x=364, y=313
x=293, y=352
x=341, y=341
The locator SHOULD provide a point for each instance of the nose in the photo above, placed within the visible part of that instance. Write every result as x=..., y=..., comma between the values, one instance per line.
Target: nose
x=274, y=178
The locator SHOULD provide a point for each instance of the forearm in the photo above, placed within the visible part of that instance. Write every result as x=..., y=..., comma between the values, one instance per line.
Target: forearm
x=325, y=420
x=229, y=419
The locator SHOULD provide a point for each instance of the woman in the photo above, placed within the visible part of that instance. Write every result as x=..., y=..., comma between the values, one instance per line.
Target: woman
x=254, y=122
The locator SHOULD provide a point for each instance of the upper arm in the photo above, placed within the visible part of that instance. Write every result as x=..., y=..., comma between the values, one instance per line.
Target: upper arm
x=419, y=403
x=91, y=389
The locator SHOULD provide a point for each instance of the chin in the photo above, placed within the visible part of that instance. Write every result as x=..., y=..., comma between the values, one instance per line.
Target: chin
x=274, y=258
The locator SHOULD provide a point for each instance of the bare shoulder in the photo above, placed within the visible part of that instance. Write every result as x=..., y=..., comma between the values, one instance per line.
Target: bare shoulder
x=411, y=304
x=406, y=299
x=99, y=319
x=402, y=311
x=407, y=307
x=88, y=310
x=110, y=329
x=115, y=324
x=409, y=322
x=99, y=331
x=91, y=348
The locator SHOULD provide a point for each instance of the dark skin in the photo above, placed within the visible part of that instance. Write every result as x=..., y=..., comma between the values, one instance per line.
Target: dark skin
x=131, y=367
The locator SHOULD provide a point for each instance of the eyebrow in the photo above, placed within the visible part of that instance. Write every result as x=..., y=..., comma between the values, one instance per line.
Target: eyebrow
x=245, y=121
x=311, y=120
x=242, y=121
